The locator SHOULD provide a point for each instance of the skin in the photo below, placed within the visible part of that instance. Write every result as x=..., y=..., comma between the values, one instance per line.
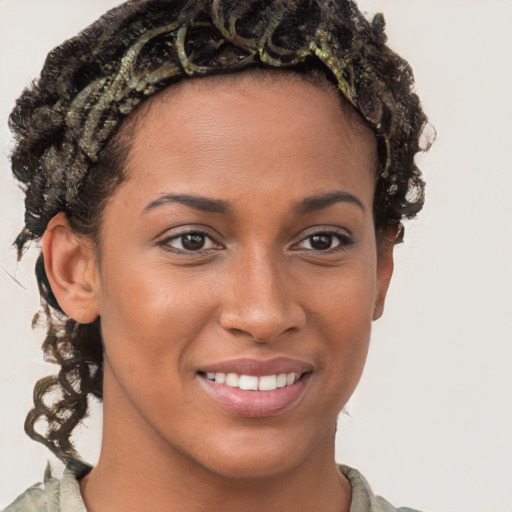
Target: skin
x=258, y=288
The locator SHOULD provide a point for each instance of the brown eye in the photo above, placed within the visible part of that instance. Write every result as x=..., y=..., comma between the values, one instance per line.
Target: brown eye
x=193, y=241
x=325, y=241
x=321, y=242
x=190, y=242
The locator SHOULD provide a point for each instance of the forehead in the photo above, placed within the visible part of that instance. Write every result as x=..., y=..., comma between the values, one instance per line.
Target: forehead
x=237, y=92
x=247, y=128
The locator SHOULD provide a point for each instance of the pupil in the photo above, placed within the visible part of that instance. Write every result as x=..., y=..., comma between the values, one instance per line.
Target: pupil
x=321, y=242
x=193, y=241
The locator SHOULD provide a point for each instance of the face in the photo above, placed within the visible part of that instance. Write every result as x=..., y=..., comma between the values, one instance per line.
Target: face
x=239, y=274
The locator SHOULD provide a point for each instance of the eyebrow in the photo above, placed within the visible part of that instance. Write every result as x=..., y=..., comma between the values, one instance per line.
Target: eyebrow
x=200, y=203
x=206, y=204
x=321, y=201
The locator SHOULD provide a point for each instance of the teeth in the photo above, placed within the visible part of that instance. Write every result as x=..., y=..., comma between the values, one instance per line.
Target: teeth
x=267, y=383
x=253, y=383
x=281, y=380
x=248, y=382
x=232, y=380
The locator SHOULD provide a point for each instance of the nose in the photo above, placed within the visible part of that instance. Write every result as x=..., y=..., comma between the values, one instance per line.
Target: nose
x=261, y=303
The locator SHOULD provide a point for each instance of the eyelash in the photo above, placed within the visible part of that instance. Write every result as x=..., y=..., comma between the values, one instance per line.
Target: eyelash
x=166, y=242
x=344, y=241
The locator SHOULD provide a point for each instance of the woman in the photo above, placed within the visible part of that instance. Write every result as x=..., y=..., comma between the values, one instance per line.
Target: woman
x=218, y=188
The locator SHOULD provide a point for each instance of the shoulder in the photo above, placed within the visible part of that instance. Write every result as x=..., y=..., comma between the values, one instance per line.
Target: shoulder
x=55, y=494
x=363, y=499
x=32, y=500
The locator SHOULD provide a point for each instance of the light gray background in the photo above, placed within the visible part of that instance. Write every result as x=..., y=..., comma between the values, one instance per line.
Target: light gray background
x=430, y=425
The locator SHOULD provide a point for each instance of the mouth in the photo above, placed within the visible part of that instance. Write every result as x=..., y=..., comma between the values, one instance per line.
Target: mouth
x=256, y=389
x=254, y=382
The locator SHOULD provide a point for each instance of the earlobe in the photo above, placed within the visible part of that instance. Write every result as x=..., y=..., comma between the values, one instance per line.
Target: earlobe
x=71, y=269
x=385, y=263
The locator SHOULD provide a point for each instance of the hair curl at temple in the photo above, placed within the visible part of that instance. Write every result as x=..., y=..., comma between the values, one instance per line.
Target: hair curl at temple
x=69, y=157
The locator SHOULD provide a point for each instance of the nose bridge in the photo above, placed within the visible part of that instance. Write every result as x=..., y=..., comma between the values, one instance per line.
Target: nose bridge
x=262, y=304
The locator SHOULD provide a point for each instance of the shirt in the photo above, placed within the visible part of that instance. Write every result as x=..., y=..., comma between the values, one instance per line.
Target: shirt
x=63, y=495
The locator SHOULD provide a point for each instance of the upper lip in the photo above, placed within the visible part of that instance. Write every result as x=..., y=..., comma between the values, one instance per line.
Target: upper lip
x=258, y=367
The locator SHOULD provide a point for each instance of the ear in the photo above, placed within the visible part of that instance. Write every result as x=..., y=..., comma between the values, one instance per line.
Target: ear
x=70, y=265
x=385, y=245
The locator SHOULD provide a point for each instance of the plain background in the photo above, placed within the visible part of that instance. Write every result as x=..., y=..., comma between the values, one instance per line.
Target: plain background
x=430, y=425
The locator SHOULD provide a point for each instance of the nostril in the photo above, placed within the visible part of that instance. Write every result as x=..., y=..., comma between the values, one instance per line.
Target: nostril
x=263, y=326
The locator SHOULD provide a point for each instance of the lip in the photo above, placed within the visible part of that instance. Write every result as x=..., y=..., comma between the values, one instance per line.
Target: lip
x=256, y=404
x=256, y=367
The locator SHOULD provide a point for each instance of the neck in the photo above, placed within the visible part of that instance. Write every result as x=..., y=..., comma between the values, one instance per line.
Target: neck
x=138, y=470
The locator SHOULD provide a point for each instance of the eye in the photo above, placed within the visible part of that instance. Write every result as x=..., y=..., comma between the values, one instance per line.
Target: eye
x=190, y=242
x=325, y=241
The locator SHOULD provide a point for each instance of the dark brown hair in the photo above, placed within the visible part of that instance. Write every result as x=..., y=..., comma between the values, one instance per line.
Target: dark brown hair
x=69, y=153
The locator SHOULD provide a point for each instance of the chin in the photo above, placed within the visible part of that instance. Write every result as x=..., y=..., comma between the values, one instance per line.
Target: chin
x=261, y=455
x=251, y=467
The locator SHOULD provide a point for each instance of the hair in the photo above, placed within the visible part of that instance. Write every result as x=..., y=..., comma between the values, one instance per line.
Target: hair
x=70, y=153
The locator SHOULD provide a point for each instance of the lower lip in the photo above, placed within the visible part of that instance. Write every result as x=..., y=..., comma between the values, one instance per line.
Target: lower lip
x=255, y=404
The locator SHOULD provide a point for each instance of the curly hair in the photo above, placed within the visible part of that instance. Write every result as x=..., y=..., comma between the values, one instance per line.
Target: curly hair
x=69, y=153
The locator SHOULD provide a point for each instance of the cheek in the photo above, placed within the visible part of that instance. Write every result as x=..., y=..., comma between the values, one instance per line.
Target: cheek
x=341, y=301
x=341, y=311
x=151, y=319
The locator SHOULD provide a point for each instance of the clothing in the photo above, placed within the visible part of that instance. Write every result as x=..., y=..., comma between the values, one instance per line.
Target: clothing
x=63, y=495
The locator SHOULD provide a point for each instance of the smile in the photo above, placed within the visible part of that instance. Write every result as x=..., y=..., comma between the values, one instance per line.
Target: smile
x=253, y=382
x=256, y=389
